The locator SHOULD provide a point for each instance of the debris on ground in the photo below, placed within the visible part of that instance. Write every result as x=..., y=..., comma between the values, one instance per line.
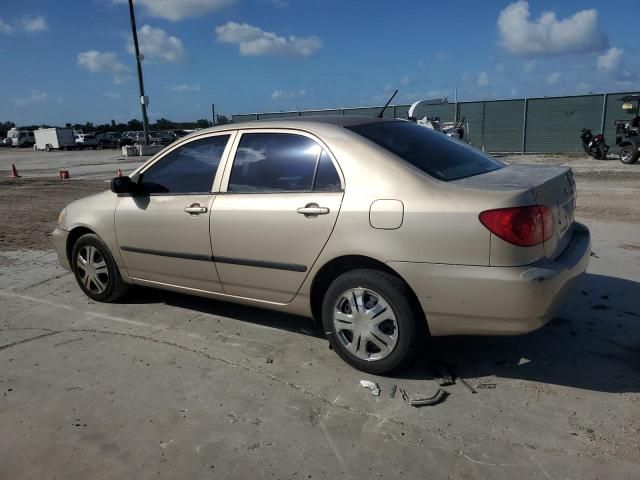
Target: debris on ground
x=394, y=387
x=438, y=397
x=375, y=389
x=466, y=384
x=446, y=378
x=269, y=360
x=486, y=386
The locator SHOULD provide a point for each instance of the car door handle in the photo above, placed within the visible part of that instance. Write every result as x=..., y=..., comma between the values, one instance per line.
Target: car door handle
x=195, y=209
x=312, y=210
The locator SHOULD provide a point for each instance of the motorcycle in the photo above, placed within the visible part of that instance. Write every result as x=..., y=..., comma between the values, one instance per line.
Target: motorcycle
x=594, y=145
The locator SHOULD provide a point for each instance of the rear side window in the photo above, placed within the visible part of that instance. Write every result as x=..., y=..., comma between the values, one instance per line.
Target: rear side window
x=432, y=152
x=187, y=169
x=280, y=162
x=327, y=179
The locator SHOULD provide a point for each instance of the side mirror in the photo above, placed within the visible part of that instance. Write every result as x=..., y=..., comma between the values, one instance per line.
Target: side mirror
x=123, y=185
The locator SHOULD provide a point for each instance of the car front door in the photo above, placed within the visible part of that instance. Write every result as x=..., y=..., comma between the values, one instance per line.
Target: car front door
x=279, y=202
x=163, y=232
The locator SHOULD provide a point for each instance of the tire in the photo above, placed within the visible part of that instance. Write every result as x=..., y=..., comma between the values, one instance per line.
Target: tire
x=96, y=271
x=49, y=148
x=629, y=154
x=399, y=330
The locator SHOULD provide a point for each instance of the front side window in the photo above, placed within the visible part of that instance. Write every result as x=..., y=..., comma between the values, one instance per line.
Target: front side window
x=190, y=168
x=430, y=151
x=280, y=162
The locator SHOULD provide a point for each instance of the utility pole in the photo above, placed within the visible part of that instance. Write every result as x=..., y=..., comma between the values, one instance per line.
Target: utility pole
x=144, y=100
x=213, y=114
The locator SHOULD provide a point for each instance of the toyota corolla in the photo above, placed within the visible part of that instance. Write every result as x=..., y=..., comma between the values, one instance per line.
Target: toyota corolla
x=381, y=229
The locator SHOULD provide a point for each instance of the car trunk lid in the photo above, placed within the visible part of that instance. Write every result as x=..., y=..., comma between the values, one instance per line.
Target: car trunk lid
x=552, y=186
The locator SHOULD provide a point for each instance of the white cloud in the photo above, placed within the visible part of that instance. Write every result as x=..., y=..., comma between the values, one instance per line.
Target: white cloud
x=547, y=35
x=175, y=10
x=113, y=95
x=500, y=67
x=441, y=56
x=406, y=81
x=158, y=46
x=483, y=79
x=610, y=60
x=5, y=27
x=34, y=24
x=554, y=78
x=284, y=95
x=255, y=41
x=611, y=63
x=35, y=97
x=183, y=87
x=104, y=62
x=25, y=24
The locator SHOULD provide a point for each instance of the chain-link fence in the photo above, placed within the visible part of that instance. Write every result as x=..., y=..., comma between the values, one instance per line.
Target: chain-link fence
x=525, y=125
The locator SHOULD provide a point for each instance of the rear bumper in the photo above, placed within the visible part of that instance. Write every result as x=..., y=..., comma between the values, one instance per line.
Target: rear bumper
x=475, y=300
x=59, y=240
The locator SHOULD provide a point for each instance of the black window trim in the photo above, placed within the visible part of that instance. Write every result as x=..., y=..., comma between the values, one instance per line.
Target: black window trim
x=289, y=131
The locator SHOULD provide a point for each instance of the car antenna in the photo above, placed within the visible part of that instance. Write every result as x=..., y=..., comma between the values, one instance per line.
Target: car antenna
x=387, y=104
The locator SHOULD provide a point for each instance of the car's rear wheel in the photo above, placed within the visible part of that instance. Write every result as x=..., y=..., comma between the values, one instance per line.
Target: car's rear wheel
x=96, y=271
x=370, y=321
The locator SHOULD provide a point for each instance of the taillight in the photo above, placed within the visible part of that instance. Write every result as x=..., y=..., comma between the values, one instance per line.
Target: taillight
x=522, y=226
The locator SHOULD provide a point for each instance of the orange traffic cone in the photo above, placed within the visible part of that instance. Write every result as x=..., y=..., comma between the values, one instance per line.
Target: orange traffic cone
x=14, y=172
x=119, y=173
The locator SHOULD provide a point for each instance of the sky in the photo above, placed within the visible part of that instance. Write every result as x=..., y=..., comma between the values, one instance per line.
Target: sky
x=72, y=61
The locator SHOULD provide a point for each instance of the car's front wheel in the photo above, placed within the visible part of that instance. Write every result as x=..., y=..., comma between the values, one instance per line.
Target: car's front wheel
x=370, y=322
x=96, y=271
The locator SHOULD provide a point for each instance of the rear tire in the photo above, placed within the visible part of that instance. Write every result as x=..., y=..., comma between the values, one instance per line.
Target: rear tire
x=96, y=271
x=370, y=321
x=629, y=154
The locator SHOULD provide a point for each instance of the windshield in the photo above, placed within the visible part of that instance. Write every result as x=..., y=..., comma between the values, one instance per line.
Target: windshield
x=432, y=152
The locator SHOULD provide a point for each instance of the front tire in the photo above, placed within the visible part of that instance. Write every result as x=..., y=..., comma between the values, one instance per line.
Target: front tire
x=629, y=154
x=370, y=321
x=96, y=271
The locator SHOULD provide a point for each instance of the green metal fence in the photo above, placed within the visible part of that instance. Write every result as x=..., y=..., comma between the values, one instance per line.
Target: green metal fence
x=525, y=125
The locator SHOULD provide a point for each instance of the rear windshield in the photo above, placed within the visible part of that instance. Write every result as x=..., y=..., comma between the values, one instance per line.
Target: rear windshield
x=432, y=152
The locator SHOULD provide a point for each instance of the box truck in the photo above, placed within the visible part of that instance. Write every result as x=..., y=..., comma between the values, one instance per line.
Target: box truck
x=54, y=139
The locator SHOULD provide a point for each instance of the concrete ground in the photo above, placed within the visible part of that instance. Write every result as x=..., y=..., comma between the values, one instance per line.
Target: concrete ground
x=86, y=164
x=171, y=386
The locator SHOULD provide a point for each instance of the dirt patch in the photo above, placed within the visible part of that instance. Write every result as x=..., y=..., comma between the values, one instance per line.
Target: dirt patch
x=610, y=200
x=29, y=208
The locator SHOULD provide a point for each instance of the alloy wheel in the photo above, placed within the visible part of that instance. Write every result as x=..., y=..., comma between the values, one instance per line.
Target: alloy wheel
x=92, y=269
x=625, y=155
x=365, y=324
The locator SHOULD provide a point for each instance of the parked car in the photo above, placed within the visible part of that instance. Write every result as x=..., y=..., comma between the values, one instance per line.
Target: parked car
x=381, y=229
x=165, y=137
x=86, y=140
x=111, y=140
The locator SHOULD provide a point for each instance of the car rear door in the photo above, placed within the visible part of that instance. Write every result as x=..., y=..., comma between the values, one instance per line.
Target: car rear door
x=163, y=233
x=279, y=201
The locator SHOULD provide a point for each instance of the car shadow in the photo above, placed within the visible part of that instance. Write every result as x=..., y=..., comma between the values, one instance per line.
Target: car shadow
x=593, y=343
x=243, y=313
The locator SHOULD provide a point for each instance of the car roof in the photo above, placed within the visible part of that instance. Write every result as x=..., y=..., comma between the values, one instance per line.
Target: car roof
x=312, y=122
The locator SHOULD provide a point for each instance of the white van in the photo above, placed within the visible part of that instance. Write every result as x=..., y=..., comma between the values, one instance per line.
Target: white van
x=21, y=138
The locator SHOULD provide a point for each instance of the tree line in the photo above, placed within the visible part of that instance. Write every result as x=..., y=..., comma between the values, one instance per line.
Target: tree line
x=131, y=125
